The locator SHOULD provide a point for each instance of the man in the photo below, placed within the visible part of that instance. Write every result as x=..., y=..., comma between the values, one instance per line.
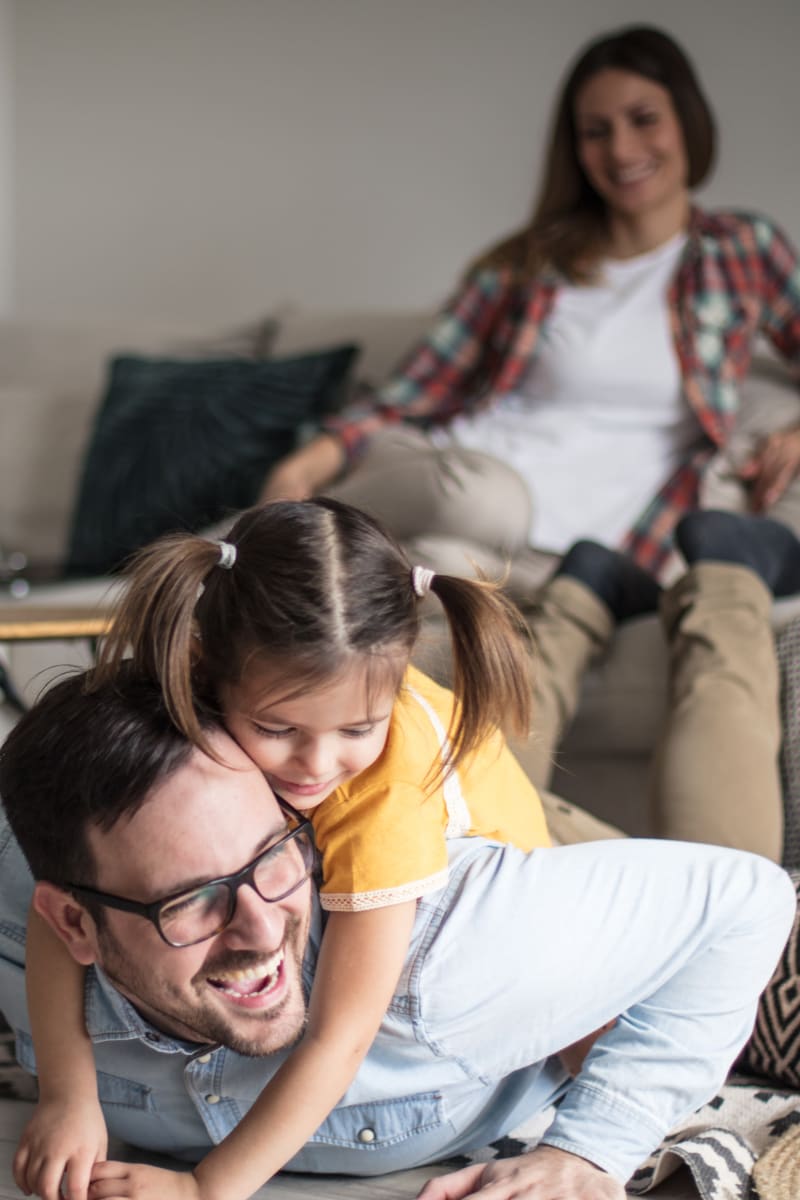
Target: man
x=517, y=957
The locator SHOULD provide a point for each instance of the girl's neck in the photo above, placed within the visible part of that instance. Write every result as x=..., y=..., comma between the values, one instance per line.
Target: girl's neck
x=629, y=236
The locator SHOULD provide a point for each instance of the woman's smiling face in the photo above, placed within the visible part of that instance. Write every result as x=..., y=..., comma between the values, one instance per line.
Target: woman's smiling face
x=630, y=143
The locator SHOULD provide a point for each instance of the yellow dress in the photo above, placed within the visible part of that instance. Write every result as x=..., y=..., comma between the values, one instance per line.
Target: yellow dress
x=383, y=836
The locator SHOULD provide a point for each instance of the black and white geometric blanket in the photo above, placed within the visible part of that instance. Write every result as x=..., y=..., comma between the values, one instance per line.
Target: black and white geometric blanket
x=719, y=1144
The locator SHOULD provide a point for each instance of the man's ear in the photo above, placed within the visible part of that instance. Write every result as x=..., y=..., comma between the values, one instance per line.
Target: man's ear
x=69, y=920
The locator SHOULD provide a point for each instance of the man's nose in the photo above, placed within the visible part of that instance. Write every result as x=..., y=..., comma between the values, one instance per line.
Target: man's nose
x=256, y=924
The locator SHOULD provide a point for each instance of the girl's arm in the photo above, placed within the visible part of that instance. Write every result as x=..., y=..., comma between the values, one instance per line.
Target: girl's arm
x=361, y=957
x=360, y=961
x=67, y=1131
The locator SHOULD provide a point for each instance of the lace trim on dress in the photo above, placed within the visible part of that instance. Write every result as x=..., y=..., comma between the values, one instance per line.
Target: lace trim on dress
x=382, y=897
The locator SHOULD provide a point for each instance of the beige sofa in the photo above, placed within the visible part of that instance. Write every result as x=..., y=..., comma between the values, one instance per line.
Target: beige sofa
x=51, y=380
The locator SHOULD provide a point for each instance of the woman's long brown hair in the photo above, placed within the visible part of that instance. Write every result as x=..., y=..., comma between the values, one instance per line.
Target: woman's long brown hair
x=568, y=222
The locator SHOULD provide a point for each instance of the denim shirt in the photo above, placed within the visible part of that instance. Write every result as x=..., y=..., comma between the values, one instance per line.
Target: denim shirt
x=516, y=958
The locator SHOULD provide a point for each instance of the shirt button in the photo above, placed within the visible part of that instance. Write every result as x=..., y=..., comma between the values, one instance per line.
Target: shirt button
x=204, y=1058
x=366, y=1135
x=152, y=1037
x=212, y=1099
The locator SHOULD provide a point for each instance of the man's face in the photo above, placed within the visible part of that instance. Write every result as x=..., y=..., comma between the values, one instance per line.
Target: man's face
x=243, y=987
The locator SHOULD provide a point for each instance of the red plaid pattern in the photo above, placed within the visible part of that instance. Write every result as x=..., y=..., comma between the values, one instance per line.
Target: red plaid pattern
x=739, y=276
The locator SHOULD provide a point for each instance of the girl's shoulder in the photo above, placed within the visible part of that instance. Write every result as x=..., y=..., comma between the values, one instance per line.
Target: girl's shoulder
x=418, y=687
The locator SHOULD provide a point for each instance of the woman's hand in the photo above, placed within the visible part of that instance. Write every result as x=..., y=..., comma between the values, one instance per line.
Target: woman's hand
x=772, y=468
x=545, y=1174
x=303, y=473
x=62, y=1138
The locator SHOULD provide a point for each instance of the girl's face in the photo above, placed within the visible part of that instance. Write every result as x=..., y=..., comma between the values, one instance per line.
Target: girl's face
x=630, y=143
x=310, y=743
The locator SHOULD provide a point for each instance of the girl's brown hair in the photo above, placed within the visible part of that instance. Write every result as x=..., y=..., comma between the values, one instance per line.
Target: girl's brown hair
x=568, y=221
x=315, y=584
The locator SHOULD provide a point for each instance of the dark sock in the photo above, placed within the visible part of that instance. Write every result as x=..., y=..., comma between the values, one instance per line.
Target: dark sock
x=765, y=546
x=624, y=587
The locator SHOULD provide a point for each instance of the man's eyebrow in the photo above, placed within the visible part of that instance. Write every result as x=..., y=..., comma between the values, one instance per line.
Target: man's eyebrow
x=199, y=881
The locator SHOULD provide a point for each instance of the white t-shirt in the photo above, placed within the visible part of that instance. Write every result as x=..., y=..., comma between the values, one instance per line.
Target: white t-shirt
x=599, y=423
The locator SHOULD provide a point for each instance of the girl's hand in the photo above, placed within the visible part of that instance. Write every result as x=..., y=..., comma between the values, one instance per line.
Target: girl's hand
x=64, y=1139
x=772, y=468
x=545, y=1174
x=300, y=475
x=135, y=1181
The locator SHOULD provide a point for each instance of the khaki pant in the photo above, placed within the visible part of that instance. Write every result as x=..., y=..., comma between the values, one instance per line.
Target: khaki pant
x=716, y=765
x=716, y=771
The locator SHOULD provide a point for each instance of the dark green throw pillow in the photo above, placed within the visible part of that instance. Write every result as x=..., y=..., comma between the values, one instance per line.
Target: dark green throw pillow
x=178, y=444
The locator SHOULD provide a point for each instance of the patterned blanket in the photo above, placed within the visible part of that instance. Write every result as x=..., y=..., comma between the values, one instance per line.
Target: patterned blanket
x=719, y=1144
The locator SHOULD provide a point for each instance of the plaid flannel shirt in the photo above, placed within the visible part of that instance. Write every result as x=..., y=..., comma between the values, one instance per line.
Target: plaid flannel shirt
x=738, y=276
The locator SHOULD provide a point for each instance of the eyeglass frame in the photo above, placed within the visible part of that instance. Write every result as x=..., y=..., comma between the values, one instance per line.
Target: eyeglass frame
x=233, y=882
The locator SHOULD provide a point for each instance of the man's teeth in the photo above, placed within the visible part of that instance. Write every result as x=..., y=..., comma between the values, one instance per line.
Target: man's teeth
x=251, y=981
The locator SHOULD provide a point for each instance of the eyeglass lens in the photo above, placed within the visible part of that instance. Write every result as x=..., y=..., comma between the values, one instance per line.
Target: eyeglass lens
x=207, y=910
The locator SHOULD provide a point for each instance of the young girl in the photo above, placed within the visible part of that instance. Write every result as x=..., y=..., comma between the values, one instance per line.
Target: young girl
x=299, y=630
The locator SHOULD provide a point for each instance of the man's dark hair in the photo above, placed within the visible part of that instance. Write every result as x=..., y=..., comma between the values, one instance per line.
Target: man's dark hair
x=84, y=756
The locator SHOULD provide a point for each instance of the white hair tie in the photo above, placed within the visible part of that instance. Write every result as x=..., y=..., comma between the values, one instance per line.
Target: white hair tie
x=227, y=555
x=422, y=578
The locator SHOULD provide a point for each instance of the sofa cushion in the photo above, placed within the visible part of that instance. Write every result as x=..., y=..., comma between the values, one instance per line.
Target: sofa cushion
x=51, y=375
x=180, y=444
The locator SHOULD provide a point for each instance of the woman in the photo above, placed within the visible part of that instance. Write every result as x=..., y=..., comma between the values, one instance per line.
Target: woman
x=576, y=387
x=602, y=343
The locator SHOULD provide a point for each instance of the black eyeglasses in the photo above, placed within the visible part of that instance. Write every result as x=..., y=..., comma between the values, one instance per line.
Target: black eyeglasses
x=186, y=918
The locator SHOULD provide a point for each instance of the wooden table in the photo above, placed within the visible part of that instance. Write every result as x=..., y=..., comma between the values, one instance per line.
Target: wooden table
x=22, y=622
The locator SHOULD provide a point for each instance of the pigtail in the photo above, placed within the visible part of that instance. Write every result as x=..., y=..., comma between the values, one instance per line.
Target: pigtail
x=492, y=663
x=154, y=624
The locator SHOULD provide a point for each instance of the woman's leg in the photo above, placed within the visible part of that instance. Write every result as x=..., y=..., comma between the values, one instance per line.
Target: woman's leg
x=717, y=777
x=569, y=626
x=417, y=489
x=571, y=623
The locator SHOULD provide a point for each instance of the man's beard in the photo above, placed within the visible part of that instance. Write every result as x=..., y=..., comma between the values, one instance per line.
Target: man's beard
x=252, y=1034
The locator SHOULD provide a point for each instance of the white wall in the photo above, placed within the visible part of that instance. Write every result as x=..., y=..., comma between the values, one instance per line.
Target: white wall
x=209, y=158
x=6, y=155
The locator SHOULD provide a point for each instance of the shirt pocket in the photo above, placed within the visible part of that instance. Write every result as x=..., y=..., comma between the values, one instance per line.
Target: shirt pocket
x=373, y=1138
x=112, y=1089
